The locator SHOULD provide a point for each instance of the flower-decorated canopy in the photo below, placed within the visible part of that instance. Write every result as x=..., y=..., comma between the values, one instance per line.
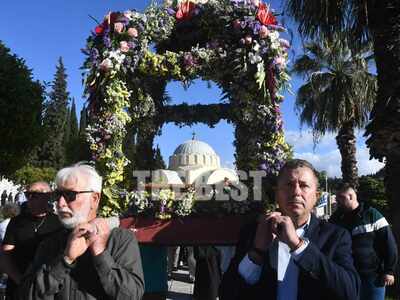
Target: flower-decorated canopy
x=132, y=55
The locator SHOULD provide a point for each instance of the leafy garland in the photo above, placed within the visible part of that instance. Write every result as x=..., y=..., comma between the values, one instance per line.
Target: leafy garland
x=235, y=43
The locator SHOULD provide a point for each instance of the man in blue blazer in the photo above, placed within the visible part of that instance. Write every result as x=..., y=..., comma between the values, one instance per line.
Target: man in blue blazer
x=291, y=254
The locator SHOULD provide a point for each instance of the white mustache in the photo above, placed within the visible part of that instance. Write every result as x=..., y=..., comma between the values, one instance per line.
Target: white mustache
x=65, y=211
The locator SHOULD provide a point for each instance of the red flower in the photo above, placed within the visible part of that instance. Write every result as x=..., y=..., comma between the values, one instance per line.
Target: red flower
x=99, y=29
x=265, y=16
x=186, y=10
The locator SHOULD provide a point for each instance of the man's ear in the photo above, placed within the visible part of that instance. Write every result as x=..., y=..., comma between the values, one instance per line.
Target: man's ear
x=95, y=200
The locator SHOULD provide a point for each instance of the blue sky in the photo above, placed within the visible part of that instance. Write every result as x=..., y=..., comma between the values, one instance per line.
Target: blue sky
x=42, y=31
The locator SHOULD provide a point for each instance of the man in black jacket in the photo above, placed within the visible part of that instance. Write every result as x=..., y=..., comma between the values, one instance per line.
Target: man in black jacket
x=291, y=254
x=374, y=246
x=25, y=232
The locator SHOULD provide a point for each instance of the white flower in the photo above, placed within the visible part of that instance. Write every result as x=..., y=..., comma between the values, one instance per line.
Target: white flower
x=128, y=15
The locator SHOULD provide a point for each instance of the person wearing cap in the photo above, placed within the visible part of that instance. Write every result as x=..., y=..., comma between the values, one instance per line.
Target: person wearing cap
x=87, y=259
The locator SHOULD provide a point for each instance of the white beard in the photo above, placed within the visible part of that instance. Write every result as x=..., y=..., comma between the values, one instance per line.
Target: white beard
x=77, y=218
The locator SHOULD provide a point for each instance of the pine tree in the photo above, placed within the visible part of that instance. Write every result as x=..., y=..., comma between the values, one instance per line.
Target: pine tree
x=83, y=151
x=67, y=129
x=52, y=153
x=158, y=159
x=74, y=129
x=72, y=135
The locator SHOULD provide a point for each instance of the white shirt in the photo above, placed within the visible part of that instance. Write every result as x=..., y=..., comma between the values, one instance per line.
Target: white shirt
x=287, y=270
x=3, y=228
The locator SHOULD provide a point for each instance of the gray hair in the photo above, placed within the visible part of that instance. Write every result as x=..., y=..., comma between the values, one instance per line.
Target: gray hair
x=94, y=180
x=296, y=163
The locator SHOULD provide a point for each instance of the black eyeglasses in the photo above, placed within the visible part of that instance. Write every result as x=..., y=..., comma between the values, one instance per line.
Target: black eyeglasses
x=38, y=195
x=69, y=196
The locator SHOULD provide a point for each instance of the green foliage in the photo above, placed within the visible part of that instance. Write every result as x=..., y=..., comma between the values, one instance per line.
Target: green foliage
x=21, y=106
x=327, y=17
x=372, y=190
x=229, y=44
x=83, y=150
x=339, y=87
x=29, y=174
x=158, y=160
x=338, y=94
x=52, y=152
x=72, y=136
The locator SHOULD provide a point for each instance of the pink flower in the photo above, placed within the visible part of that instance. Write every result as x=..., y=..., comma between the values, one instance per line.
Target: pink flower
x=123, y=46
x=118, y=27
x=263, y=32
x=132, y=32
x=280, y=62
x=248, y=39
x=106, y=64
x=236, y=24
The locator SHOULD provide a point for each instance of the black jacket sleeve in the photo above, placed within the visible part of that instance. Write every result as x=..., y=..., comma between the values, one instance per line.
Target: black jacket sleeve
x=387, y=249
x=336, y=272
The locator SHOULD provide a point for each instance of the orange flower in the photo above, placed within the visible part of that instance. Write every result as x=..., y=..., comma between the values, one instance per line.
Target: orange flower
x=186, y=10
x=265, y=16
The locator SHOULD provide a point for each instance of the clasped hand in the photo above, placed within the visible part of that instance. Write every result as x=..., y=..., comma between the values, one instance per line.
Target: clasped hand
x=92, y=235
x=275, y=225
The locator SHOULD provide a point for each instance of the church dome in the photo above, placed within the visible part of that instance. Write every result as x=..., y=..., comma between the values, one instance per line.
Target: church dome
x=194, y=147
x=193, y=154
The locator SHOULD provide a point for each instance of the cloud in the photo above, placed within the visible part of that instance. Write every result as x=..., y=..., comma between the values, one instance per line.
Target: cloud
x=303, y=140
x=331, y=161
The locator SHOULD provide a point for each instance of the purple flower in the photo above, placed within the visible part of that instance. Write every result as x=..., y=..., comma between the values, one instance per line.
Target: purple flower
x=131, y=45
x=213, y=44
x=189, y=60
x=107, y=42
x=284, y=43
x=256, y=27
x=94, y=55
x=171, y=11
x=276, y=27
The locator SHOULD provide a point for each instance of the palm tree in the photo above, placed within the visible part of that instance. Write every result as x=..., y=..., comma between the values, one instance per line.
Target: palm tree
x=338, y=95
x=363, y=19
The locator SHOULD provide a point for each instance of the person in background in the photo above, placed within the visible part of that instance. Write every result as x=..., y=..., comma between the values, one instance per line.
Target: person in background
x=9, y=210
x=374, y=247
x=25, y=232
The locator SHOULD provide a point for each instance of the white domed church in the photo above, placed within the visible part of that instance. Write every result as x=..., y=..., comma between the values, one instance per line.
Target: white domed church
x=194, y=162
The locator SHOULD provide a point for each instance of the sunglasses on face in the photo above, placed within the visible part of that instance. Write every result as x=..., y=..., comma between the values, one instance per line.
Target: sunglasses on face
x=68, y=196
x=38, y=195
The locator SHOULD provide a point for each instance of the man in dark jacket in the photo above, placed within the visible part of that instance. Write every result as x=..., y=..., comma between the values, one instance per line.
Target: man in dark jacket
x=86, y=260
x=291, y=254
x=374, y=246
x=25, y=232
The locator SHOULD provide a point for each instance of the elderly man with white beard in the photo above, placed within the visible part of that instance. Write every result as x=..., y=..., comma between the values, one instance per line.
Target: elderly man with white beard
x=86, y=260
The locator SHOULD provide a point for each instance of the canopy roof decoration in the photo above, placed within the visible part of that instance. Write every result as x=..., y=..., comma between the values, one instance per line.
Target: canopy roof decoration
x=234, y=43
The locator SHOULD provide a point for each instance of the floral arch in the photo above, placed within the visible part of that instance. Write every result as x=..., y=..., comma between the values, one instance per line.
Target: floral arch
x=132, y=56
